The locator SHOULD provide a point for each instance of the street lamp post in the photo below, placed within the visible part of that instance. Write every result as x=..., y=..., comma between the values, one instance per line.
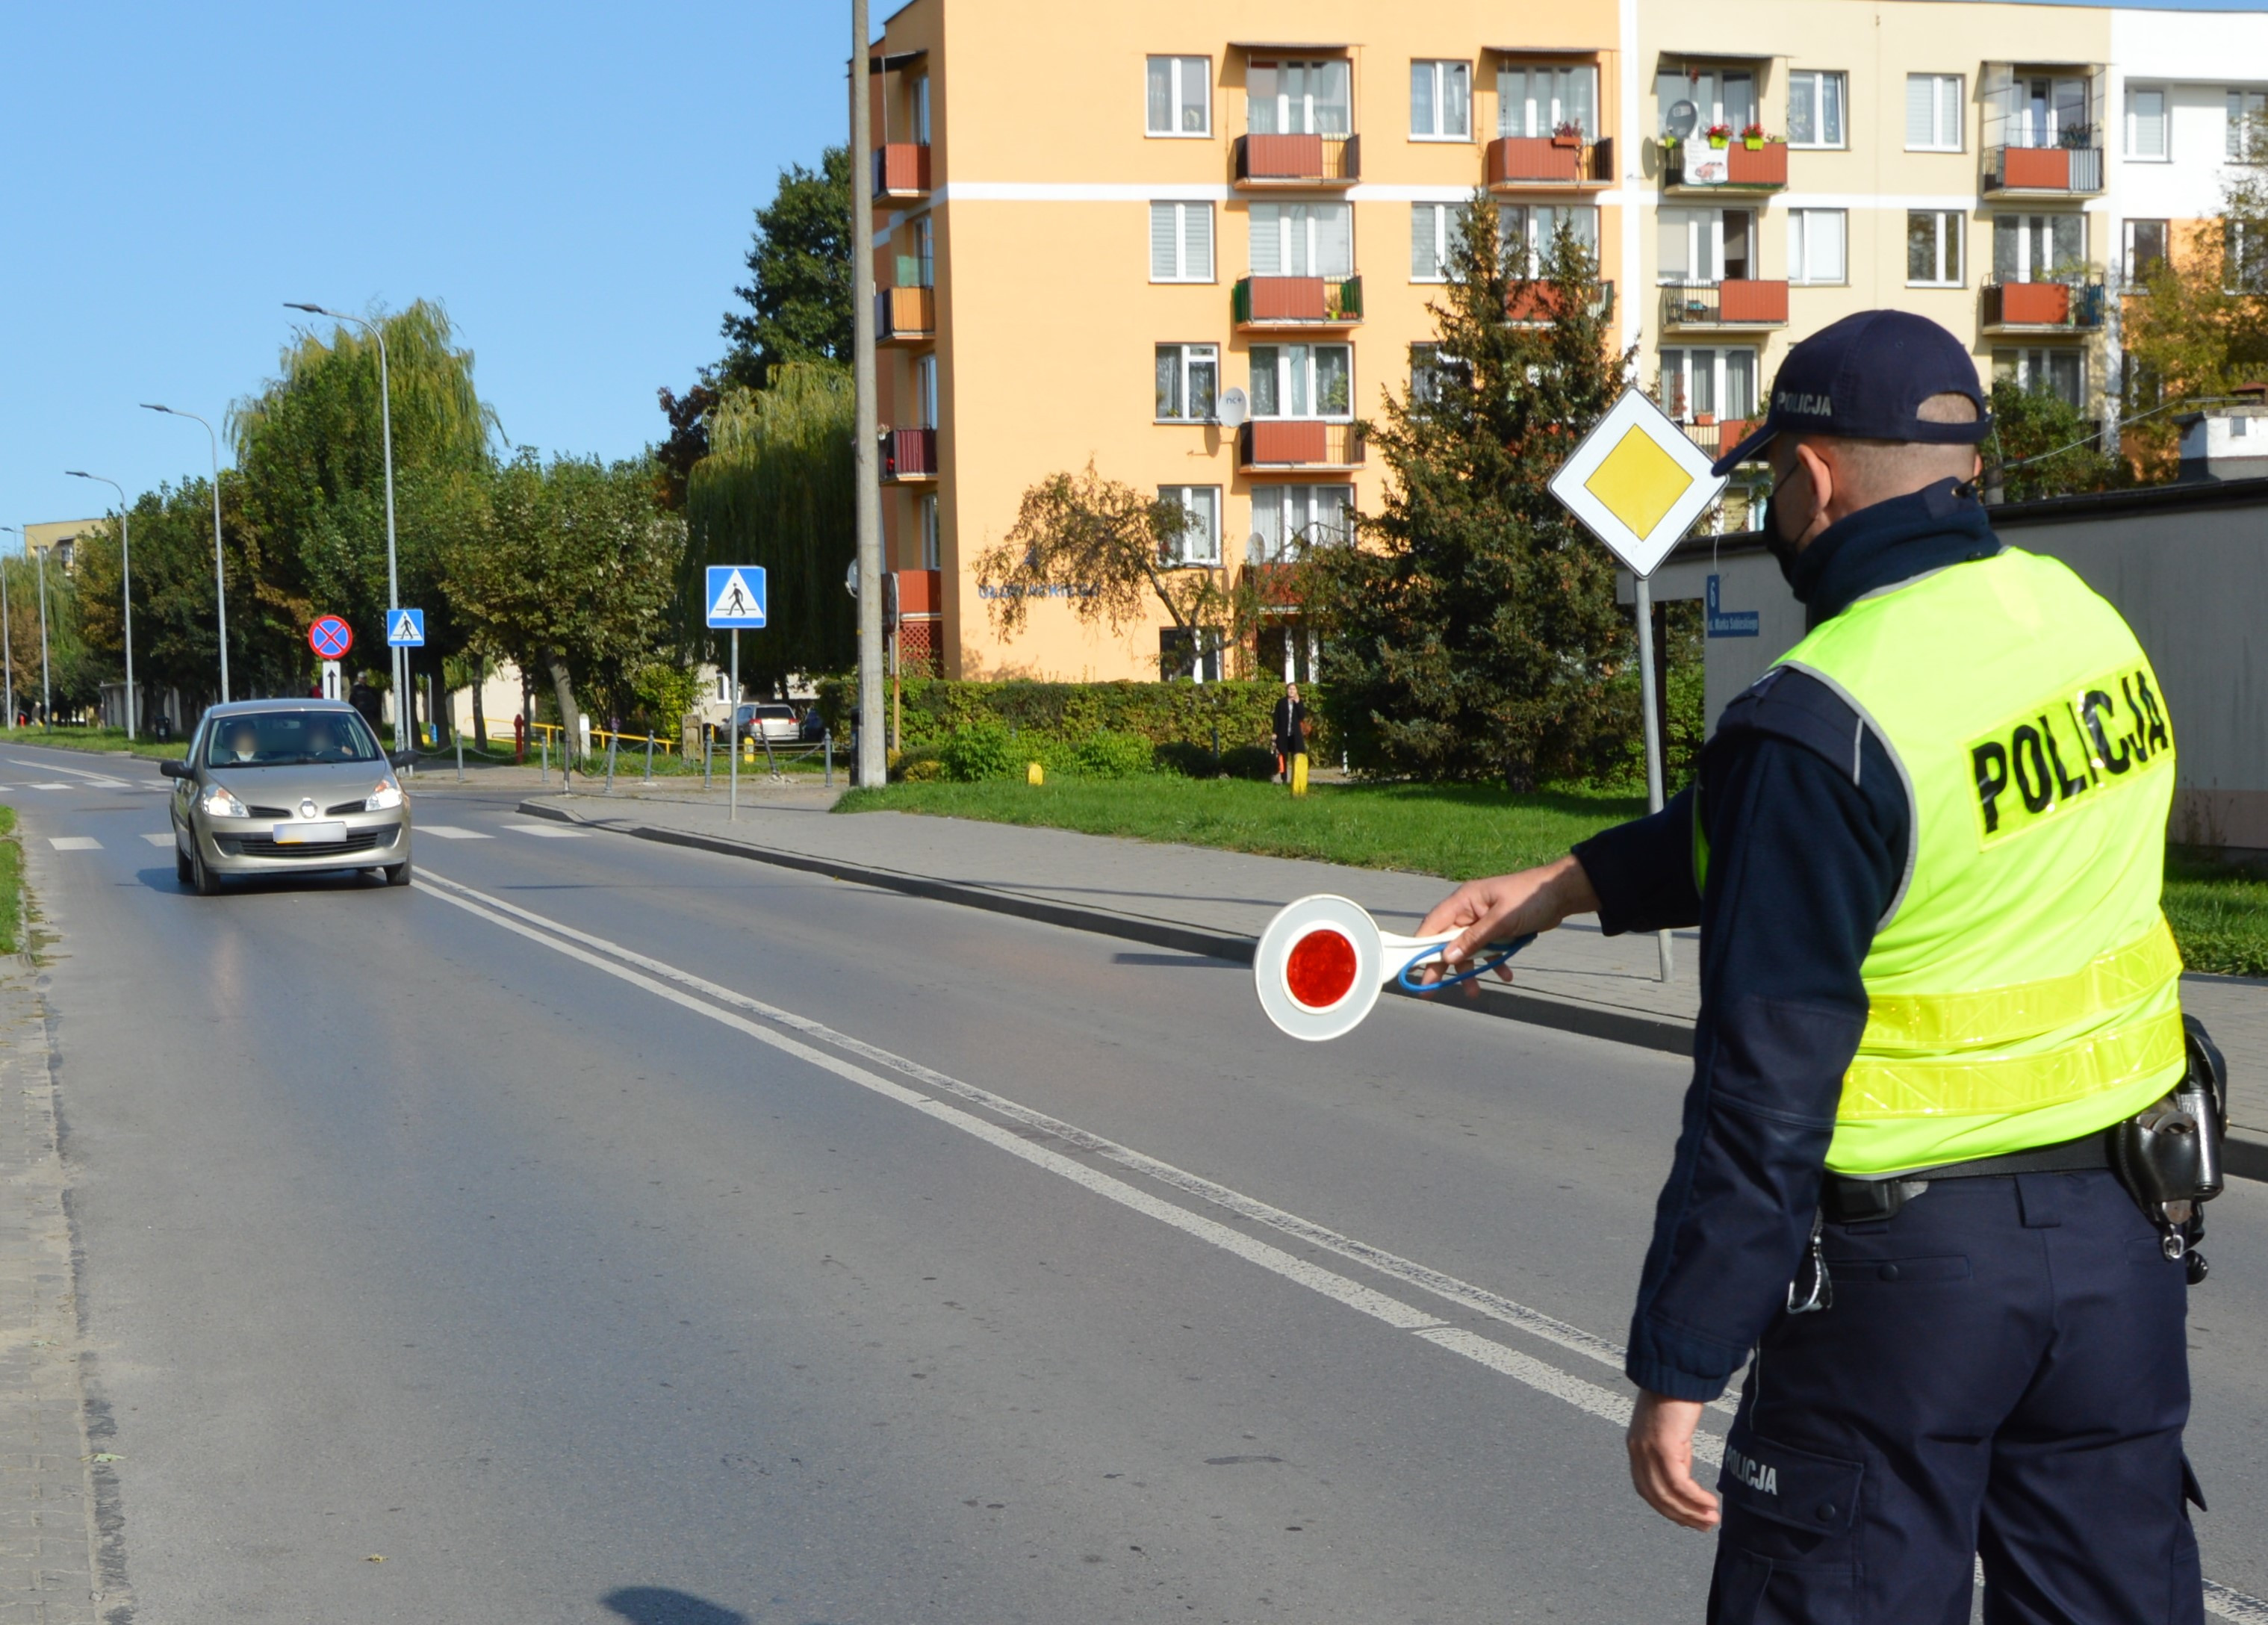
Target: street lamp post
x=7, y=654
x=47, y=701
x=220, y=578
x=397, y=657
x=126, y=587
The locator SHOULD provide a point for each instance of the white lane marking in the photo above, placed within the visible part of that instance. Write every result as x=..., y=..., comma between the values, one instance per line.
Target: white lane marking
x=56, y=787
x=2234, y=1605
x=103, y=779
x=158, y=838
x=75, y=843
x=549, y=832
x=1559, y=1384
x=451, y=832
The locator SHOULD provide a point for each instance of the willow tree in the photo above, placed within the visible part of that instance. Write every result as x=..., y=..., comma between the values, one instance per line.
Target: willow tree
x=778, y=489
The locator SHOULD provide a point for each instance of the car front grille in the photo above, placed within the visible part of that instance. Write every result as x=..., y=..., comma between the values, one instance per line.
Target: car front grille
x=253, y=812
x=356, y=806
x=265, y=846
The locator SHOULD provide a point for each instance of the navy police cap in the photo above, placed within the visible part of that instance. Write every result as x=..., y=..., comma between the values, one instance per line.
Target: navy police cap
x=1866, y=377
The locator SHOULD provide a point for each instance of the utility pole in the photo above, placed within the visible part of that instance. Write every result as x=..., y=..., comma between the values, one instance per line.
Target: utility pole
x=873, y=763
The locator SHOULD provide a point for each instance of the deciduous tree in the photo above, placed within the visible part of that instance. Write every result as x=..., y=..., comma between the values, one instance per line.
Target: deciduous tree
x=799, y=289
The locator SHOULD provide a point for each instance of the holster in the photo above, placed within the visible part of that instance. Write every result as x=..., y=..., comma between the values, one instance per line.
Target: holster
x=2167, y=1154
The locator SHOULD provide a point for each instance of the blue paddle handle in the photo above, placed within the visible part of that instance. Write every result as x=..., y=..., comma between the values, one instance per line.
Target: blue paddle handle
x=1502, y=950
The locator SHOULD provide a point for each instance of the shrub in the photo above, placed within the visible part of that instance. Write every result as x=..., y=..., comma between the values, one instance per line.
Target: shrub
x=1191, y=761
x=1108, y=754
x=1248, y=762
x=1045, y=715
x=982, y=749
x=916, y=766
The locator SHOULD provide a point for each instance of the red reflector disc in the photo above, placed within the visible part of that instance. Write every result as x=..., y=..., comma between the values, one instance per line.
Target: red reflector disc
x=1320, y=969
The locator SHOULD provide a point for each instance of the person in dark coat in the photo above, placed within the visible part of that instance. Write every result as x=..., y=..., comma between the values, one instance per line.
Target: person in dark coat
x=1291, y=729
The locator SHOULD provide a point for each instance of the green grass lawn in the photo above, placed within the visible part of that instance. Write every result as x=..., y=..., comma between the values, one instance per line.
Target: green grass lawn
x=12, y=885
x=111, y=739
x=2220, y=915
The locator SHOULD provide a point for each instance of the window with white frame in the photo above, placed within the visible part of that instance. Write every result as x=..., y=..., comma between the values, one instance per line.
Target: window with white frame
x=1815, y=241
x=925, y=391
x=2245, y=258
x=2050, y=369
x=1703, y=246
x=2146, y=128
x=1200, y=538
x=2248, y=124
x=1441, y=101
x=1715, y=383
x=1181, y=96
x=1700, y=97
x=2038, y=248
x=1303, y=239
x=1299, y=97
x=1289, y=519
x=925, y=513
x=1188, y=383
x=1540, y=99
x=1934, y=110
x=1181, y=242
x=1933, y=238
x=1432, y=240
x=1525, y=231
x=2147, y=243
x=917, y=100
x=1302, y=381
x=1429, y=366
x=1814, y=109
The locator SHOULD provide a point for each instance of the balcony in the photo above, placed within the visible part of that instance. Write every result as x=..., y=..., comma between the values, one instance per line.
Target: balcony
x=2043, y=171
x=905, y=315
x=1267, y=301
x=902, y=170
x=1524, y=161
x=2042, y=307
x=1697, y=166
x=1298, y=160
x=1536, y=303
x=909, y=455
x=1719, y=435
x=1733, y=303
x=1269, y=442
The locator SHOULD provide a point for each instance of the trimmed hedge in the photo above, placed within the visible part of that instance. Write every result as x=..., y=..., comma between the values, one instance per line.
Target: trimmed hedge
x=1054, y=723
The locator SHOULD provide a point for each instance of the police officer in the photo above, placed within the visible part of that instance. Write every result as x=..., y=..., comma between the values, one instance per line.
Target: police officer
x=1925, y=853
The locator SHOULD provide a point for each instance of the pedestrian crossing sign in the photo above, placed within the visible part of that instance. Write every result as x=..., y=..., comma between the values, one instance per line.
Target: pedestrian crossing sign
x=736, y=596
x=1638, y=482
x=405, y=628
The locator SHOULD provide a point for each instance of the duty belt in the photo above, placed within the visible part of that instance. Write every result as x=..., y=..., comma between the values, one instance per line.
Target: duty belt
x=1847, y=1201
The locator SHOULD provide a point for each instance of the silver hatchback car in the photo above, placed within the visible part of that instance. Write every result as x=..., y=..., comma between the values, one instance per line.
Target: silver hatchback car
x=283, y=786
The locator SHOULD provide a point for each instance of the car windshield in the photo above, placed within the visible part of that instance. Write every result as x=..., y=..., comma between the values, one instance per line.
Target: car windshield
x=289, y=739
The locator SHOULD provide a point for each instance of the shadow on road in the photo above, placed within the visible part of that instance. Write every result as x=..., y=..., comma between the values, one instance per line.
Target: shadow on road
x=660, y=1604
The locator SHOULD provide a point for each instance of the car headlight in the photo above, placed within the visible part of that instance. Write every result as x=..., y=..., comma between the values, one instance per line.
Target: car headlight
x=384, y=799
x=219, y=804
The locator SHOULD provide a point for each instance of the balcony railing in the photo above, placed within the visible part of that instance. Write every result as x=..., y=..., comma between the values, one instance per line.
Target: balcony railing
x=1744, y=168
x=1536, y=303
x=1296, y=302
x=903, y=315
x=1298, y=160
x=1298, y=442
x=910, y=454
x=2044, y=306
x=1719, y=436
x=2069, y=170
x=1549, y=161
x=902, y=170
x=1733, y=303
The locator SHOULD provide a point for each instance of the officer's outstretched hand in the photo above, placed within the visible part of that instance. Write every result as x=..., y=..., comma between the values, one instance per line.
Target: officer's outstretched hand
x=1661, y=1442
x=1506, y=907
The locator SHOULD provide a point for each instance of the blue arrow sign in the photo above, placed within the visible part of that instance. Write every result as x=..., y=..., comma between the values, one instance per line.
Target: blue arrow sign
x=736, y=596
x=405, y=628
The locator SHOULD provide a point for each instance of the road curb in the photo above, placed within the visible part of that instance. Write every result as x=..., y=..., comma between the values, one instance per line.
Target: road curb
x=1619, y=1026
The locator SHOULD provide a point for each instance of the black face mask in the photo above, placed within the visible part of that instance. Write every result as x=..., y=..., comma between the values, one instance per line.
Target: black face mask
x=1781, y=548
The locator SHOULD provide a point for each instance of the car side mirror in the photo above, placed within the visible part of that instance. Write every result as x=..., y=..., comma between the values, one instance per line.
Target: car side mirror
x=402, y=759
x=177, y=769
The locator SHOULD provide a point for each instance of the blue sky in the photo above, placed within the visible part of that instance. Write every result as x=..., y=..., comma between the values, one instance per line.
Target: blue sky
x=573, y=181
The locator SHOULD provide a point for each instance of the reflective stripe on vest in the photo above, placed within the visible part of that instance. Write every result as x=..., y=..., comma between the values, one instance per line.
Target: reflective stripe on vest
x=2024, y=989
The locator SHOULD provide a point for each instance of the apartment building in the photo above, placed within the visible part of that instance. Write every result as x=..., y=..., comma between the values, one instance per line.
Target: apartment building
x=1093, y=222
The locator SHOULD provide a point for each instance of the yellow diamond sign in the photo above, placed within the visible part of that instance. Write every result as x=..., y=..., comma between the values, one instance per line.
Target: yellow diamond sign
x=1638, y=483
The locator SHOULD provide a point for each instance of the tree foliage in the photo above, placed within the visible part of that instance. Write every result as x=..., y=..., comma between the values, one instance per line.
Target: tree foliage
x=777, y=488
x=1473, y=628
x=2041, y=446
x=799, y=289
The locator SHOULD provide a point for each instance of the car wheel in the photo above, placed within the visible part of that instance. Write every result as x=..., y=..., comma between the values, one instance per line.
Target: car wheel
x=181, y=870
x=398, y=874
x=208, y=884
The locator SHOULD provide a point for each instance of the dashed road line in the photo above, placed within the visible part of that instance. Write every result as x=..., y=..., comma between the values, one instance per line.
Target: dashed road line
x=452, y=832
x=75, y=843
x=547, y=832
x=156, y=838
x=108, y=781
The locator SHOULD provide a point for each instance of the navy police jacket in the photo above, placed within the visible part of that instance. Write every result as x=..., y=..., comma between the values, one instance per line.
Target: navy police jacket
x=1807, y=820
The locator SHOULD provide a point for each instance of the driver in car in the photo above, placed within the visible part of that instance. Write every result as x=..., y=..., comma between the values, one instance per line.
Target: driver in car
x=243, y=743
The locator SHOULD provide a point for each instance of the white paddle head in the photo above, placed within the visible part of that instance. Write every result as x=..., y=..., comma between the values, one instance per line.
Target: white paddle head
x=1319, y=968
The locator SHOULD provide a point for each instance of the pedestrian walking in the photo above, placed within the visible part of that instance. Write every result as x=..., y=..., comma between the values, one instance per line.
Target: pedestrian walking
x=1922, y=1186
x=1292, y=728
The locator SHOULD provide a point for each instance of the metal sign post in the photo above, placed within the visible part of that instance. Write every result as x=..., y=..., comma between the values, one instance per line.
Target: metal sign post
x=733, y=739
x=737, y=596
x=1638, y=483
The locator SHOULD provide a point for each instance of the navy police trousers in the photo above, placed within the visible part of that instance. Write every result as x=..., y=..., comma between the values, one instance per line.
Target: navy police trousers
x=2003, y=1376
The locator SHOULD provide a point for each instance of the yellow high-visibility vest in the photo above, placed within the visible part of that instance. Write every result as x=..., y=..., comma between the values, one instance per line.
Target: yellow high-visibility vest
x=2023, y=987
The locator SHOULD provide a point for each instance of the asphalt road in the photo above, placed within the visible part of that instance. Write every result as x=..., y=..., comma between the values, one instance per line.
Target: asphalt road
x=603, y=1231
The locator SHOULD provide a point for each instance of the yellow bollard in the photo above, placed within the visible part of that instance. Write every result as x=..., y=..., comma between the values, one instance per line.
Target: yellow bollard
x=1035, y=774
x=748, y=751
x=1299, y=774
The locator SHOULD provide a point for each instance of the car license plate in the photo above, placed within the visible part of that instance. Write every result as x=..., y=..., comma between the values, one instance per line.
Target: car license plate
x=310, y=834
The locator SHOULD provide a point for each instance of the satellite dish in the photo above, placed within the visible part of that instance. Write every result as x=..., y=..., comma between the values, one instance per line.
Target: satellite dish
x=1682, y=118
x=850, y=579
x=1233, y=409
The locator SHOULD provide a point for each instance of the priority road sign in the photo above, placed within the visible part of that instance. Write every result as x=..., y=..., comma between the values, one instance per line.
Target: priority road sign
x=330, y=637
x=736, y=596
x=1638, y=483
x=405, y=628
